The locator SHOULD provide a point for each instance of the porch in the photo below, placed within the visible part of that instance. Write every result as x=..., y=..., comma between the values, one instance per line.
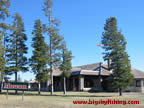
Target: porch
x=80, y=83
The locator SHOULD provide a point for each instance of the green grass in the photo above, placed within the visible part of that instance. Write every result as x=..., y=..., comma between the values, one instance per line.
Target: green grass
x=32, y=100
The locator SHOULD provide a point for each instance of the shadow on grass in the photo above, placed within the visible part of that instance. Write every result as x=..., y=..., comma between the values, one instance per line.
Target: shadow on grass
x=57, y=95
x=82, y=96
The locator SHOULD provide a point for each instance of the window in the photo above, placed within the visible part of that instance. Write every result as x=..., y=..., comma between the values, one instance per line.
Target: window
x=88, y=82
x=138, y=83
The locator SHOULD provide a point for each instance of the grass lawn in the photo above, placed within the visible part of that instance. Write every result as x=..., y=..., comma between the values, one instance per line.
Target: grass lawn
x=32, y=100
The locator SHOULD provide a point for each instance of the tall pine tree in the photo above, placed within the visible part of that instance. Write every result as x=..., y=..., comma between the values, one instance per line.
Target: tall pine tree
x=4, y=5
x=66, y=66
x=54, y=39
x=16, y=48
x=114, y=44
x=38, y=61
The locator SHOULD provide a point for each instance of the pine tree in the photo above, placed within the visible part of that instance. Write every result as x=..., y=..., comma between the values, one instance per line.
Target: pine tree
x=54, y=39
x=4, y=5
x=114, y=44
x=66, y=66
x=38, y=61
x=16, y=48
x=2, y=61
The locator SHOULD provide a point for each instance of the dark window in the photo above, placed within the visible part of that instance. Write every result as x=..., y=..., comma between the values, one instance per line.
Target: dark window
x=88, y=82
x=138, y=83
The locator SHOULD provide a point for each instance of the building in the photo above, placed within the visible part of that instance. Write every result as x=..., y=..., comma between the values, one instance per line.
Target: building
x=94, y=77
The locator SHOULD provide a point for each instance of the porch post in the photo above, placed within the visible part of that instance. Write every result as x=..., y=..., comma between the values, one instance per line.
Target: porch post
x=48, y=85
x=100, y=82
x=73, y=83
x=81, y=83
x=142, y=86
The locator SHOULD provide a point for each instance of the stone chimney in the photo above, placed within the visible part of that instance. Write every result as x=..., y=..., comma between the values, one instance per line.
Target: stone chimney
x=100, y=68
x=109, y=63
x=129, y=63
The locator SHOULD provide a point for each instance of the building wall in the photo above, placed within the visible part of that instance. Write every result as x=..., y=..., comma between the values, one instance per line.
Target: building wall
x=78, y=83
x=137, y=86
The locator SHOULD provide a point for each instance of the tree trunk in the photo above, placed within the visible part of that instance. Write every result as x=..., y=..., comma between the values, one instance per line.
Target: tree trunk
x=16, y=65
x=39, y=91
x=64, y=85
x=16, y=81
x=120, y=92
x=51, y=72
x=51, y=81
x=0, y=87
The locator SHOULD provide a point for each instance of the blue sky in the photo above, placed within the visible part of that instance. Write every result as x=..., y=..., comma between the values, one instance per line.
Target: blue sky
x=82, y=23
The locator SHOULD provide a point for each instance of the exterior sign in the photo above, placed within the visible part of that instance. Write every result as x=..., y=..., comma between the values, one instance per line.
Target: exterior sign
x=15, y=86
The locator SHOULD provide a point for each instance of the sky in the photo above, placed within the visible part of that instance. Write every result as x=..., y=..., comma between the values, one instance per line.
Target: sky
x=82, y=23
